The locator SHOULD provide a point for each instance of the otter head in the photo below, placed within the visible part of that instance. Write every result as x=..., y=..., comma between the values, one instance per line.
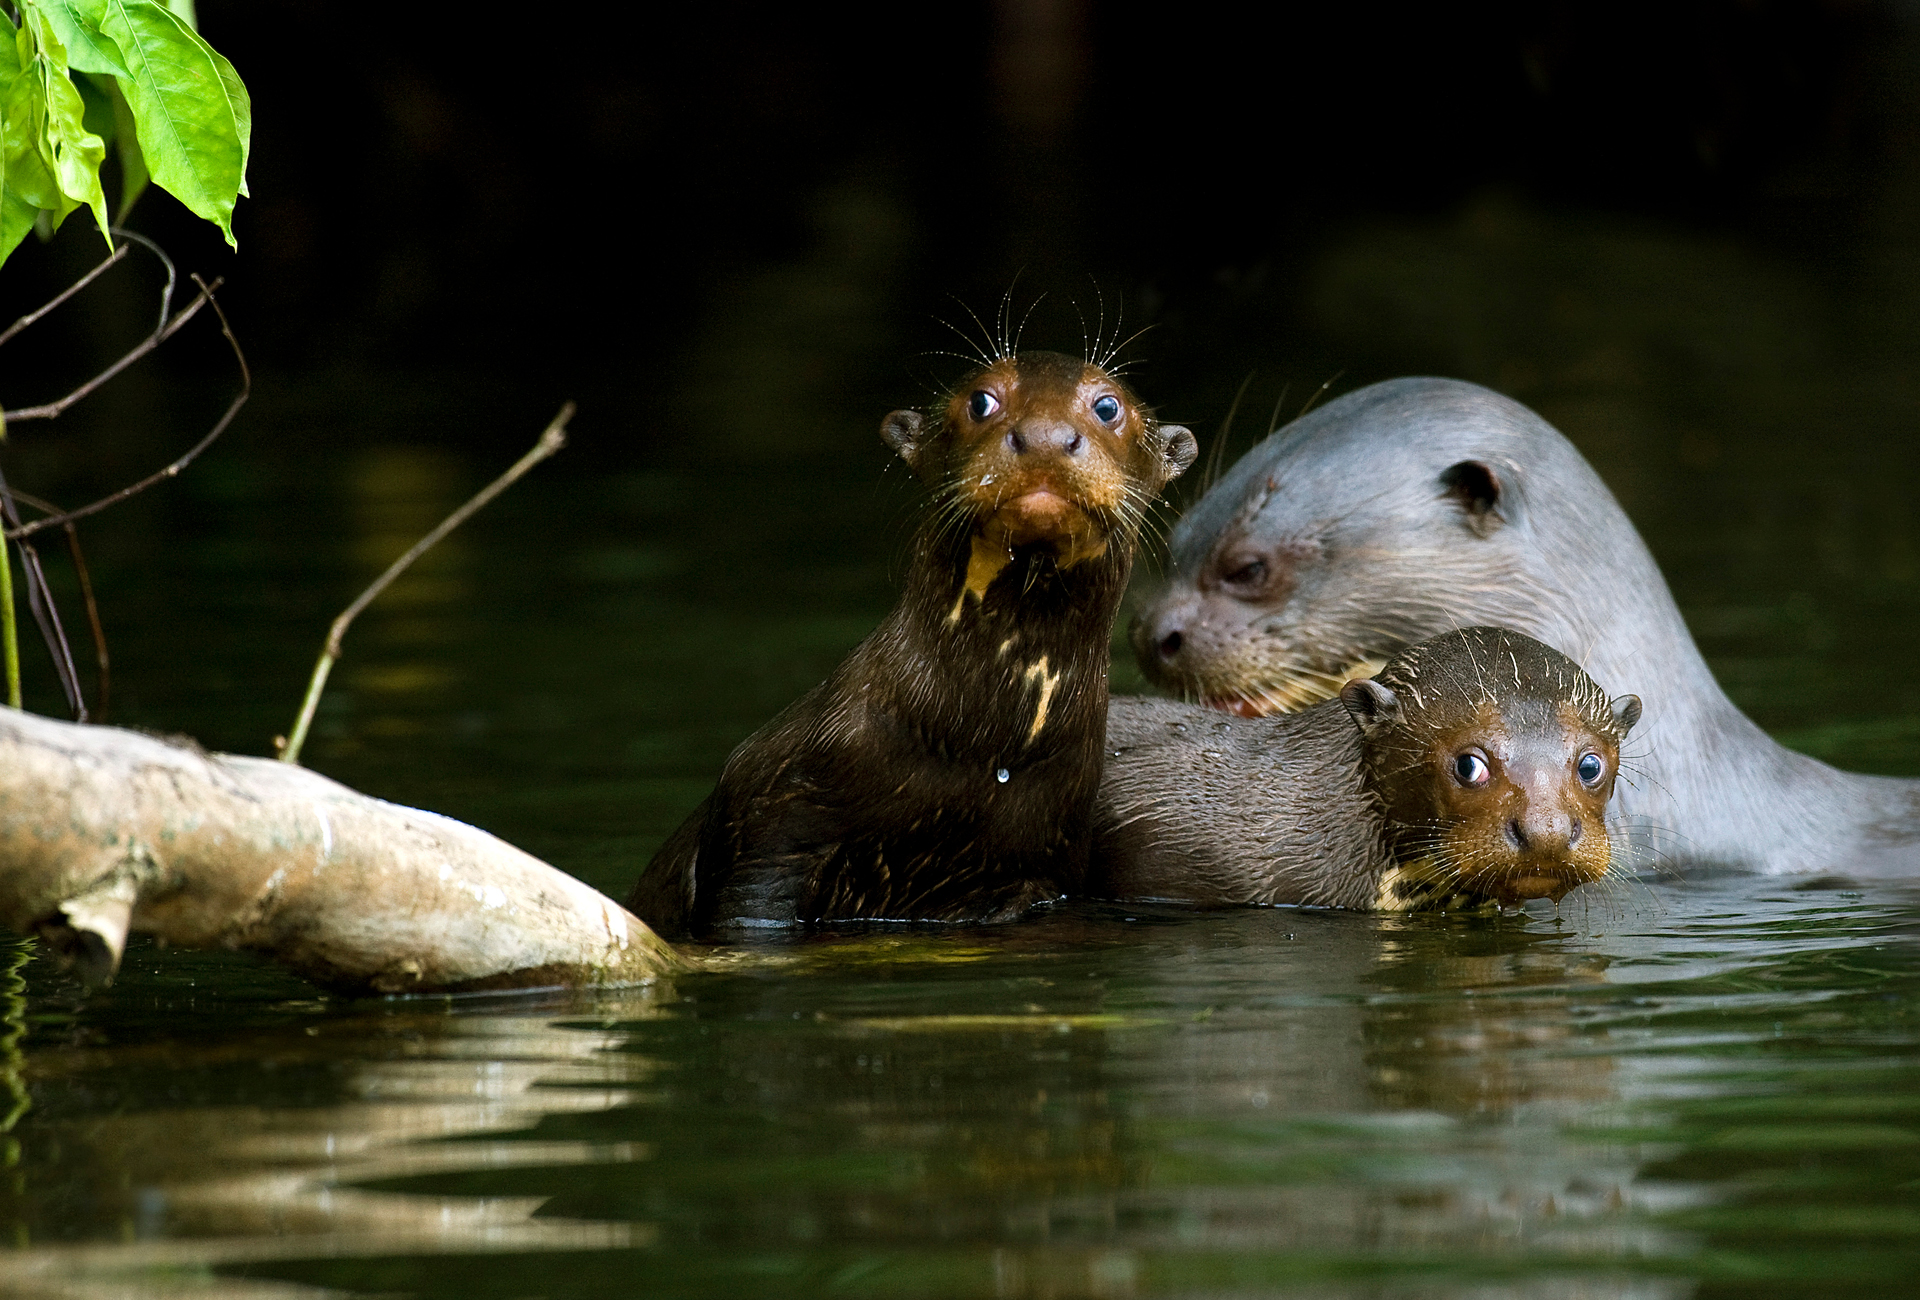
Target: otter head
x=1494, y=757
x=1045, y=451
x=1388, y=516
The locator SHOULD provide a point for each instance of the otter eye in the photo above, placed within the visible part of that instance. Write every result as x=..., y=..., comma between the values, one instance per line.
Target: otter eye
x=1250, y=574
x=1470, y=769
x=1591, y=768
x=1107, y=409
x=982, y=404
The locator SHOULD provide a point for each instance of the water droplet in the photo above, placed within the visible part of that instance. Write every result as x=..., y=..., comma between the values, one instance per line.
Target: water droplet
x=1003, y=776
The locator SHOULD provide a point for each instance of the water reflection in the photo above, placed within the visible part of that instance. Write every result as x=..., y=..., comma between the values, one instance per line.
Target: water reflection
x=1102, y=1103
x=103, y=1202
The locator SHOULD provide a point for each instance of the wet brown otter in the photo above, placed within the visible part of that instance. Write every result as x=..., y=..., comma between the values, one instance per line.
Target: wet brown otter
x=1417, y=505
x=946, y=769
x=1475, y=767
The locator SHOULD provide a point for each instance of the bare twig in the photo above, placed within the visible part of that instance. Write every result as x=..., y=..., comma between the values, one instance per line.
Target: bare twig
x=53, y=409
x=39, y=595
x=64, y=294
x=45, y=507
x=46, y=614
x=168, y=471
x=173, y=276
x=162, y=330
x=52, y=631
x=93, y=624
x=552, y=439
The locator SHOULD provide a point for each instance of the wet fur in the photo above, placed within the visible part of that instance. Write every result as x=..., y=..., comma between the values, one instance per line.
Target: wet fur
x=1202, y=808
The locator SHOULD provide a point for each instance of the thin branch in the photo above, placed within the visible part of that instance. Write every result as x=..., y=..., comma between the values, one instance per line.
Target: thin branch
x=81, y=571
x=85, y=280
x=39, y=595
x=173, y=276
x=168, y=471
x=51, y=410
x=52, y=631
x=93, y=624
x=166, y=290
x=45, y=612
x=552, y=439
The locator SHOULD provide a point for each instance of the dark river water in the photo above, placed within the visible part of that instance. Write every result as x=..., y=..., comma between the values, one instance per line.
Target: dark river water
x=1682, y=1087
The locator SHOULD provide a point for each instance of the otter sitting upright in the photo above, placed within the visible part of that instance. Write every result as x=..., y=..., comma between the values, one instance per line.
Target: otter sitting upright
x=1475, y=768
x=946, y=770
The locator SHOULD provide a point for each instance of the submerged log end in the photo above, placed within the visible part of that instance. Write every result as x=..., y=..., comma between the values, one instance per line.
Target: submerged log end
x=628, y=954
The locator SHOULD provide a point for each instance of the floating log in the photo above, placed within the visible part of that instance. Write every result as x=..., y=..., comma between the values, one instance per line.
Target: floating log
x=105, y=831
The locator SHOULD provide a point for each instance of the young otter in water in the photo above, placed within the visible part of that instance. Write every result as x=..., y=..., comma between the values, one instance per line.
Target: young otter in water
x=1475, y=767
x=946, y=770
x=1417, y=505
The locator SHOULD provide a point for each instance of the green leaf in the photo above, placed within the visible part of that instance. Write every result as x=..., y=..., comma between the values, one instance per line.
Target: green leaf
x=126, y=142
x=194, y=118
x=16, y=219
x=21, y=171
x=97, y=92
x=77, y=24
x=23, y=112
x=72, y=153
x=16, y=214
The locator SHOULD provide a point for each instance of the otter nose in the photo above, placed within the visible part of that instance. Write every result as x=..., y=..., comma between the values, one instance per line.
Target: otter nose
x=1045, y=437
x=1543, y=830
x=1157, y=638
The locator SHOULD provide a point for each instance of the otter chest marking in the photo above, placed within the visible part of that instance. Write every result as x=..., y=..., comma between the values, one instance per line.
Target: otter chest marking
x=1037, y=673
x=983, y=566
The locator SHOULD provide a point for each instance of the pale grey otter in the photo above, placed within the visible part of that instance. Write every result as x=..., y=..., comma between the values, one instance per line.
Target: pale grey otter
x=1418, y=505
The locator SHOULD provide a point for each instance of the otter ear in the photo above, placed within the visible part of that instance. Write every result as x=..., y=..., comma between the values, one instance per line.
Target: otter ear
x=1371, y=705
x=1626, y=712
x=903, y=431
x=1178, y=448
x=1476, y=489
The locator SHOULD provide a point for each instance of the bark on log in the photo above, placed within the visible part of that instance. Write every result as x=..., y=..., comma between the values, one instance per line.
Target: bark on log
x=103, y=831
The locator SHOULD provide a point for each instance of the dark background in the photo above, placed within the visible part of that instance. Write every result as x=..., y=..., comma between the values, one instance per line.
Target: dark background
x=572, y=204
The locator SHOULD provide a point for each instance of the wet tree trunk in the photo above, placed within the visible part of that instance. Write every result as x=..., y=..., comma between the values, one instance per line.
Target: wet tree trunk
x=105, y=831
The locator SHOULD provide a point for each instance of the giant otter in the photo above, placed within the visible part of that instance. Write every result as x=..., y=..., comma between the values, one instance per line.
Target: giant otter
x=946, y=770
x=1417, y=505
x=1474, y=768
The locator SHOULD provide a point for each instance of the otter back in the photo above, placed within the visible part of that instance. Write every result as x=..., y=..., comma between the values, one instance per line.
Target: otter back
x=1204, y=808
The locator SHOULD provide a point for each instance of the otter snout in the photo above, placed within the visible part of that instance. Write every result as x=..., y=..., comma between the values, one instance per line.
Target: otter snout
x=1046, y=438
x=1160, y=637
x=1174, y=640
x=1548, y=832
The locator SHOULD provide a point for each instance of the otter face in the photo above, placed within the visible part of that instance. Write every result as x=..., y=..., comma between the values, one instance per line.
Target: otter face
x=1495, y=757
x=1044, y=449
x=1517, y=804
x=1389, y=516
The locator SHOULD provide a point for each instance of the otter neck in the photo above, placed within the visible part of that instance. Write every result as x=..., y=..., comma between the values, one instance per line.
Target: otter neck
x=1033, y=631
x=1701, y=782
